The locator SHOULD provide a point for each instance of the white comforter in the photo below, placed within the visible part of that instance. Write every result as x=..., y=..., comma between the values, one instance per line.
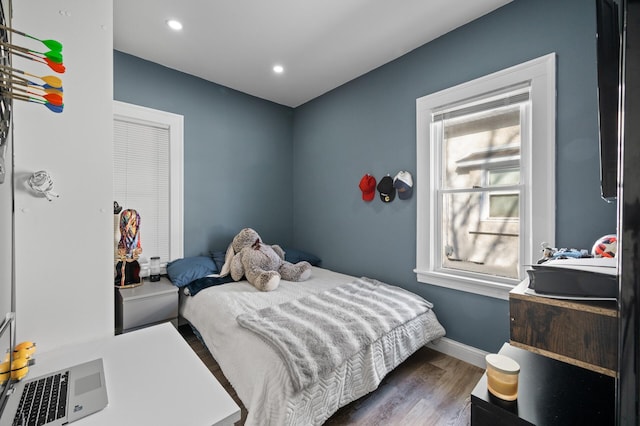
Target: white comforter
x=256, y=371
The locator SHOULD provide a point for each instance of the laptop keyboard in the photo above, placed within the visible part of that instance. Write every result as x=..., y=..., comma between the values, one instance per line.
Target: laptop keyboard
x=43, y=401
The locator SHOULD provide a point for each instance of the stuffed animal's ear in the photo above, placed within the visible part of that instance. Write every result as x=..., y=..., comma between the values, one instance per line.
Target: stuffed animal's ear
x=237, y=269
x=226, y=268
x=278, y=251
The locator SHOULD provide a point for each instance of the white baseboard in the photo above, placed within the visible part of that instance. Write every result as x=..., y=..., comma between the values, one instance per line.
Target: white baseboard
x=466, y=353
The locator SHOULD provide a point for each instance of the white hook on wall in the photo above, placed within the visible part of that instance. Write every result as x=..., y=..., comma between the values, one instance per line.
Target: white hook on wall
x=41, y=183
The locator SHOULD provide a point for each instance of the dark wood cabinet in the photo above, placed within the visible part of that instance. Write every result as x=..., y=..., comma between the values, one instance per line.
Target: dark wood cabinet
x=577, y=332
x=567, y=351
x=550, y=392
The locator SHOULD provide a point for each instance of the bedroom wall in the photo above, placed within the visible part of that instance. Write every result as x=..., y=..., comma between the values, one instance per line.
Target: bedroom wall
x=237, y=153
x=63, y=248
x=369, y=125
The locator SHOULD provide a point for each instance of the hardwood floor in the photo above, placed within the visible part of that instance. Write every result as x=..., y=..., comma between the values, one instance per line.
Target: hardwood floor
x=429, y=388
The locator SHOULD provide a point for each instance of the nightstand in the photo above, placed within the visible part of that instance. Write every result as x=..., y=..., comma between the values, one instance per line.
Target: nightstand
x=550, y=392
x=145, y=305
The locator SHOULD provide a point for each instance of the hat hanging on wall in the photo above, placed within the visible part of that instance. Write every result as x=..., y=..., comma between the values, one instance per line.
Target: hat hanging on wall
x=386, y=189
x=403, y=183
x=368, y=187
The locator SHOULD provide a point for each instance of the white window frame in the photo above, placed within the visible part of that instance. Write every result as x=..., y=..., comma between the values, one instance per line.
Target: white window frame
x=537, y=168
x=175, y=123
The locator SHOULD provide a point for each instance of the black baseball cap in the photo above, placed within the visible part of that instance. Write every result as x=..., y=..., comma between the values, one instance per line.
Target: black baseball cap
x=386, y=189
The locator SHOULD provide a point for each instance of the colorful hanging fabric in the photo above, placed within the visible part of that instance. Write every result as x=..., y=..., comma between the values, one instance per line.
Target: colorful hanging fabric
x=129, y=246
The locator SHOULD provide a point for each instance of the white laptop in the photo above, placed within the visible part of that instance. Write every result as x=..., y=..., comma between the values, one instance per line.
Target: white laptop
x=56, y=398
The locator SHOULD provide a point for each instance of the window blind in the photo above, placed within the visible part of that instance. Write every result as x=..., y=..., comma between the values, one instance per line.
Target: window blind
x=141, y=180
x=506, y=97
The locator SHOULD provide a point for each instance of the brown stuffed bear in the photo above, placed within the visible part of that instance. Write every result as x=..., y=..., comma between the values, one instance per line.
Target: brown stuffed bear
x=263, y=265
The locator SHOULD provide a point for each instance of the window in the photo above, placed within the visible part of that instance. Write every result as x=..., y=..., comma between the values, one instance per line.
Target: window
x=481, y=147
x=147, y=176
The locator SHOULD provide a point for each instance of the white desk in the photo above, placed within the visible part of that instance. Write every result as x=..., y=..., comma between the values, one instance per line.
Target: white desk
x=153, y=378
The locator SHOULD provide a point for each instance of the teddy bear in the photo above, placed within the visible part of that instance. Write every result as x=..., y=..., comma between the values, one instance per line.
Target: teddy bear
x=263, y=265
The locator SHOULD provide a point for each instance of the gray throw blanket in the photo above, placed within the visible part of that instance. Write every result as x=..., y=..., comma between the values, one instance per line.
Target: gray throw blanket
x=315, y=334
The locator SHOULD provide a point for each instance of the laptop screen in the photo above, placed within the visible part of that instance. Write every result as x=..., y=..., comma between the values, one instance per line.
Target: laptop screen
x=7, y=343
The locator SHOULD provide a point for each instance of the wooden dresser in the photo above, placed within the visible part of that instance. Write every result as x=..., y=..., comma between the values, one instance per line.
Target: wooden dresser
x=567, y=351
x=576, y=332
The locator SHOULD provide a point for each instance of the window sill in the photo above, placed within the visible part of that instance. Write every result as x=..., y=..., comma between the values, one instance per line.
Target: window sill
x=487, y=288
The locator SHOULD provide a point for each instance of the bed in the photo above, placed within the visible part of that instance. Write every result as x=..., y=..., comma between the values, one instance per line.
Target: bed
x=223, y=316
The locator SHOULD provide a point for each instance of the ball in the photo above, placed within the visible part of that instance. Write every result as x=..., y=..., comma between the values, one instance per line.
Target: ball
x=606, y=246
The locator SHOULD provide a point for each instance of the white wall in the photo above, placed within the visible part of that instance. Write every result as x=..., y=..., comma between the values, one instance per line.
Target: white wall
x=63, y=248
x=6, y=232
x=6, y=203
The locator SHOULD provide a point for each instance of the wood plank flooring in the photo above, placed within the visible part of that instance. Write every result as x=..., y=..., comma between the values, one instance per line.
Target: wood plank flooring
x=429, y=388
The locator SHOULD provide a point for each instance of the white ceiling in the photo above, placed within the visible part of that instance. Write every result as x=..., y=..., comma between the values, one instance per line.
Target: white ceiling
x=322, y=44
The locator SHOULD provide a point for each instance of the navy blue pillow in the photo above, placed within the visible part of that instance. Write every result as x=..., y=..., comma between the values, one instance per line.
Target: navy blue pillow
x=182, y=271
x=295, y=256
x=218, y=258
x=200, y=284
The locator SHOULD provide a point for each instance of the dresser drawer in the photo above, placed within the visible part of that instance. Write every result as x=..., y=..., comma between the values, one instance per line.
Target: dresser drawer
x=577, y=332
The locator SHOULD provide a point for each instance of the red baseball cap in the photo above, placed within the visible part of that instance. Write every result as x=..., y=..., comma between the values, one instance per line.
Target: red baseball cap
x=368, y=187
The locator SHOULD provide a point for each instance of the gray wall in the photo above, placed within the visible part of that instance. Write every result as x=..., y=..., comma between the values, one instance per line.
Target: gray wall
x=368, y=125
x=237, y=153
x=306, y=163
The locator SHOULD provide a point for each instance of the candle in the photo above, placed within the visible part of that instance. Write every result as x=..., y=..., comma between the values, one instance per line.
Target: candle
x=502, y=376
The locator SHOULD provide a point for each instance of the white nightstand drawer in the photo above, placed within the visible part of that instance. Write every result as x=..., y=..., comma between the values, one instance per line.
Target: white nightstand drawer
x=150, y=303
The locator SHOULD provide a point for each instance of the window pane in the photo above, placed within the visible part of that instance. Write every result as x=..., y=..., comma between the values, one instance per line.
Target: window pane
x=504, y=205
x=504, y=177
x=473, y=143
x=472, y=244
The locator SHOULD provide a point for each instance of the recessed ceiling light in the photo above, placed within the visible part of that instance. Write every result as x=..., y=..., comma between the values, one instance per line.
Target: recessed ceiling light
x=174, y=25
x=278, y=69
